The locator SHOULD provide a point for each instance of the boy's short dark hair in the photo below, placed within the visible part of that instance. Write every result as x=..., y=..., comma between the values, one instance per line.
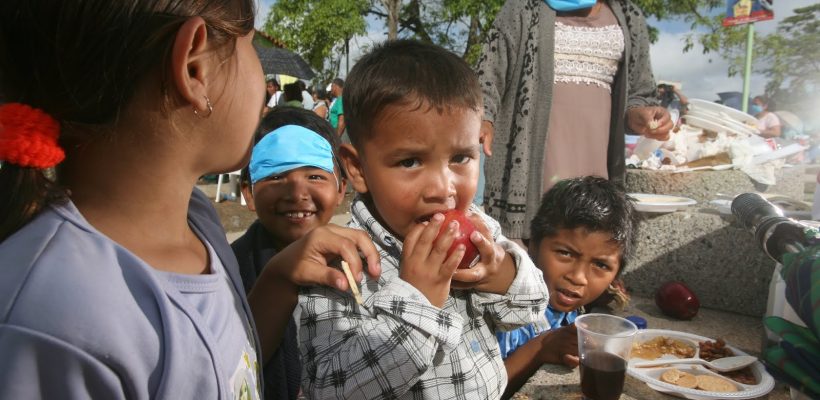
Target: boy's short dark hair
x=592, y=203
x=280, y=116
x=292, y=92
x=406, y=72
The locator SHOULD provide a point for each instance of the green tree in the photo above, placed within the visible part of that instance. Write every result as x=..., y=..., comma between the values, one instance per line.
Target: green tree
x=317, y=30
x=789, y=58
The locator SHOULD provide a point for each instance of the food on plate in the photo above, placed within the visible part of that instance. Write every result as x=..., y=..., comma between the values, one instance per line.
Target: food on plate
x=465, y=229
x=710, y=161
x=744, y=376
x=714, y=384
x=712, y=350
x=680, y=378
x=658, y=346
x=676, y=300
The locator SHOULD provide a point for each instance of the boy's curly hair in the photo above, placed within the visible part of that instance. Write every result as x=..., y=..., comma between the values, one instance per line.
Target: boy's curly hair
x=594, y=204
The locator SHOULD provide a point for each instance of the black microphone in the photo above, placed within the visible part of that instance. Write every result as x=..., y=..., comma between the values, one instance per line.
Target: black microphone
x=775, y=233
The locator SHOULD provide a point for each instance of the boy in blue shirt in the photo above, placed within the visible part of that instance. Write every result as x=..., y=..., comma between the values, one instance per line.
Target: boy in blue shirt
x=582, y=236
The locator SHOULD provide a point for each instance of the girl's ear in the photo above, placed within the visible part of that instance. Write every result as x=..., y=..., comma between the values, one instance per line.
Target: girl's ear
x=192, y=63
x=248, y=193
x=353, y=166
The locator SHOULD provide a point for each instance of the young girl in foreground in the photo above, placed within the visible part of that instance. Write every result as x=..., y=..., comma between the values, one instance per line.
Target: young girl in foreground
x=582, y=236
x=116, y=279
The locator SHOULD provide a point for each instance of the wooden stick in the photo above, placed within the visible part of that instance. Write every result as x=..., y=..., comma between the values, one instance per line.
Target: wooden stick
x=354, y=287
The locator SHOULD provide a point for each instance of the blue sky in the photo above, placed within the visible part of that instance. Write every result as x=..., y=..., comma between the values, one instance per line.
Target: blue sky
x=702, y=76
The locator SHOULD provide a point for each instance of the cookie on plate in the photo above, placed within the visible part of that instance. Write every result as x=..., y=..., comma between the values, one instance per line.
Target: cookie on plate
x=679, y=378
x=714, y=384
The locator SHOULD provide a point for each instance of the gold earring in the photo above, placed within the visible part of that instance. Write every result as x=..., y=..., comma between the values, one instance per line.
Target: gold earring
x=210, y=108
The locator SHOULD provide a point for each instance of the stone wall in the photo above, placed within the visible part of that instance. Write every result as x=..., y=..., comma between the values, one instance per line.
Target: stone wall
x=710, y=252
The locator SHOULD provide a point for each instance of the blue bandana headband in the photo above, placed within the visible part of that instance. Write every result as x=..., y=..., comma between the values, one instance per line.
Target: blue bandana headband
x=287, y=148
x=570, y=5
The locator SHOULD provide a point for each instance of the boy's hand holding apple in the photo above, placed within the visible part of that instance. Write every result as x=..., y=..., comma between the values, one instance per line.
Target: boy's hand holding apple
x=427, y=262
x=495, y=269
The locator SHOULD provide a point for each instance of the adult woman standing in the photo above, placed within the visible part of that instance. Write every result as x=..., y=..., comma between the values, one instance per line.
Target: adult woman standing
x=767, y=122
x=561, y=80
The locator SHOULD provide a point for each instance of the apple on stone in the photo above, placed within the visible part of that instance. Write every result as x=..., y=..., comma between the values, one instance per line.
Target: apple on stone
x=676, y=300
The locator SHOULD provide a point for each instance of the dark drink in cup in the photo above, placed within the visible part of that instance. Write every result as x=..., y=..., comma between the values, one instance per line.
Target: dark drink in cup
x=602, y=376
x=604, y=342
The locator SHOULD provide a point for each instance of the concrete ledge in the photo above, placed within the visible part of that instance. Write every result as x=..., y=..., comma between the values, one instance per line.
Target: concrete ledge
x=711, y=253
x=704, y=185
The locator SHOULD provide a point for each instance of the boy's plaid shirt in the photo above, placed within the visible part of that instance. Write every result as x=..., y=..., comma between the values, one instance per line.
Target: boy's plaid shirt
x=399, y=345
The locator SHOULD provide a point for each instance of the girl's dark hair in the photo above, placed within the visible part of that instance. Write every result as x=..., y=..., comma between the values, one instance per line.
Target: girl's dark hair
x=321, y=94
x=280, y=116
x=406, y=72
x=292, y=92
x=592, y=203
x=81, y=61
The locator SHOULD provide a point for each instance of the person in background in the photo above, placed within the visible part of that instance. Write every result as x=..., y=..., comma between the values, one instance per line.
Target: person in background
x=292, y=95
x=672, y=98
x=293, y=184
x=273, y=91
x=425, y=330
x=307, y=97
x=767, y=121
x=106, y=295
x=320, y=104
x=582, y=237
x=337, y=118
x=562, y=80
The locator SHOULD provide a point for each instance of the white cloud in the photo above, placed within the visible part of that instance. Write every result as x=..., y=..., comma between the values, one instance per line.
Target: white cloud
x=702, y=75
x=705, y=75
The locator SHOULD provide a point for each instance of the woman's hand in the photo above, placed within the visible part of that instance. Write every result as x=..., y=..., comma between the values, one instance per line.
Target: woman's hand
x=653, y=122
x=495, y=270
x=305, y=262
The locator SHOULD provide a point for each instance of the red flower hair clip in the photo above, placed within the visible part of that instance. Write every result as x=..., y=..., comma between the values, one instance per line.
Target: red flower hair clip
x=28, y=137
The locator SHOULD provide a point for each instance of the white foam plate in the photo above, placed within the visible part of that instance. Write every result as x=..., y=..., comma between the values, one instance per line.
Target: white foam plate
x=724, y=120
x=713, y=125
x=660, y=203
x=765, y=382
x=720, y=108
x=789, y=150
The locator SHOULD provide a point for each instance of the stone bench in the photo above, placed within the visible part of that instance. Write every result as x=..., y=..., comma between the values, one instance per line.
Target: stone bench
x=710, y=252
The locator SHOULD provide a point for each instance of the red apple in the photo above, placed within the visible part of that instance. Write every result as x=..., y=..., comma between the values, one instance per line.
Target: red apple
x=465, y=229
x=676, y=300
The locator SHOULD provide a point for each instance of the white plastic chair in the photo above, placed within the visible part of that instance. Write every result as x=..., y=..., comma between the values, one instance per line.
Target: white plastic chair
x=218, y=196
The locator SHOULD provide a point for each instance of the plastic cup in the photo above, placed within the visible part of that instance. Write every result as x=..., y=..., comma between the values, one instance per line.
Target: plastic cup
x=604, y=342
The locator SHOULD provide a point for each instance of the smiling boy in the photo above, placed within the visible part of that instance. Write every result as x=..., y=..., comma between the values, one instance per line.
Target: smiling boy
x=425, y=330
x=293, y=183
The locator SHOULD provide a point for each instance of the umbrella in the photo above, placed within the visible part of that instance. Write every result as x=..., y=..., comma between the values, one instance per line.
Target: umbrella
x=732, y=99
x=276, y=60
x=790, y=119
